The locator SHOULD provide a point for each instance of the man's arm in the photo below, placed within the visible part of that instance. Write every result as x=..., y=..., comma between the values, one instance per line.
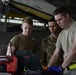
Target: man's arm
x=10, y=50
x=71, y=56
x=54, y=58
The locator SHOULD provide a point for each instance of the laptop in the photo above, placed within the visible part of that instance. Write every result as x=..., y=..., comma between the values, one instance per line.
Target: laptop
x=30, y=60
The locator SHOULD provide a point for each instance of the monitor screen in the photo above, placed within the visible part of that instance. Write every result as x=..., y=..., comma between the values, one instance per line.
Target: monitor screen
x=30, y=60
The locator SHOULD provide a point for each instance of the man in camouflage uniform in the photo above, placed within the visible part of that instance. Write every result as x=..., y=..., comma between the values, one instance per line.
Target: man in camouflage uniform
x=48, y=43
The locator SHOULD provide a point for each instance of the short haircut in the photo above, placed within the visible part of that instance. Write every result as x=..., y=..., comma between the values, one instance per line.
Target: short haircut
x=28, y=20
x=52, y=20
x=62, y=10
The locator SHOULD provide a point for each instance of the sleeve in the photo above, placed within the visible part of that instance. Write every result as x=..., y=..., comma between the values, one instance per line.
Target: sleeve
x=13, y=41
x=58, y=43
x=75, y=31
x=43, y=54
x=43, y=47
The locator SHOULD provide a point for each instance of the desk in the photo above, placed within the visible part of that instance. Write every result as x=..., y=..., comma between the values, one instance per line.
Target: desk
x=5, y=74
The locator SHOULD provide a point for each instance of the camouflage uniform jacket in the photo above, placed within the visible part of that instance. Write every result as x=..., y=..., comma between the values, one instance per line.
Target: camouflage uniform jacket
x=48, y=47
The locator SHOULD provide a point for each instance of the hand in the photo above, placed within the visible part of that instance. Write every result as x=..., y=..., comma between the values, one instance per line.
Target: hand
x=45, y=68
x=56, y=69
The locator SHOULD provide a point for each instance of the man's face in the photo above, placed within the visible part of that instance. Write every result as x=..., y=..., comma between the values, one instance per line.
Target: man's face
x=53, y=27
x=26, y=29
x=61, y=20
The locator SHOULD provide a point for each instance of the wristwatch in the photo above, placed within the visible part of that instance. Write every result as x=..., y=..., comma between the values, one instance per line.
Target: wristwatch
x=61, y=68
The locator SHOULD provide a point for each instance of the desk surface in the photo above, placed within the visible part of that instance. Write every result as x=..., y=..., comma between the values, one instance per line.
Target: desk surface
x=5, y=74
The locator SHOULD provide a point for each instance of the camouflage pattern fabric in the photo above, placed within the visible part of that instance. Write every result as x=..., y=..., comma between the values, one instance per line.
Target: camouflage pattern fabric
x=48, y=47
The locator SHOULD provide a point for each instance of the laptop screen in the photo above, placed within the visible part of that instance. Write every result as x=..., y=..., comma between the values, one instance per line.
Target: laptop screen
x=30, y=60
